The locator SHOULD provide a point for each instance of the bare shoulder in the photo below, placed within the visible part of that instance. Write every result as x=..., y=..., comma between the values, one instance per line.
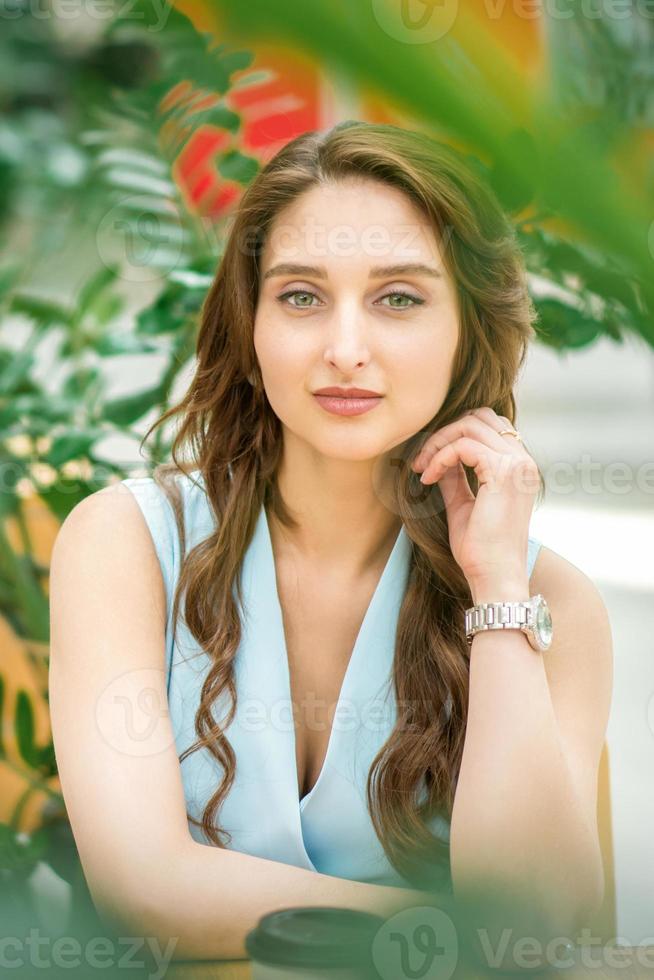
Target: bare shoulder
x=114, y=508
x=107, y=527
x=102, y=504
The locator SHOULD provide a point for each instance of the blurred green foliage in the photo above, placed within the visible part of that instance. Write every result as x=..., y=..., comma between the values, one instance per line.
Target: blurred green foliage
x=86, y=136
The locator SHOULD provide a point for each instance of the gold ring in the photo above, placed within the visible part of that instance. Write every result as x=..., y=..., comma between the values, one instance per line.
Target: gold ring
x=511, y=432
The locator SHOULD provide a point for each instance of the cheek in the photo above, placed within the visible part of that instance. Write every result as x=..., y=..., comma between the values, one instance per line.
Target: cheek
x=428, y=357
x=283, y=361
x=422, y=372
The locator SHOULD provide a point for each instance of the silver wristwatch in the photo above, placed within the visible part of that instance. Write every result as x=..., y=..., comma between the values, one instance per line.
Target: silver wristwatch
x=532, y=616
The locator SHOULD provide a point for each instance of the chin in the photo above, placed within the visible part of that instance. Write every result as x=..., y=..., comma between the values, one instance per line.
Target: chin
x=347, y=448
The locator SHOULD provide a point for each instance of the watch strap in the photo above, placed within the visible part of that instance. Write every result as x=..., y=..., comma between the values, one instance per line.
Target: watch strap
x=497, y=615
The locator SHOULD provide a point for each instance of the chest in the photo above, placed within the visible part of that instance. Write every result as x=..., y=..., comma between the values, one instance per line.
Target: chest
x=321, y=623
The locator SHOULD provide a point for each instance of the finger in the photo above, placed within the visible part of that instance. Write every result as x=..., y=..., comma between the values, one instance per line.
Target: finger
x=500, y=423
x=489, y=415
x=472, y=427
x=454, y=487
x=489, y=466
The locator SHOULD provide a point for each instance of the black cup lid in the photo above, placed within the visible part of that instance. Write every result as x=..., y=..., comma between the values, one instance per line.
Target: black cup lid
x=314, y=936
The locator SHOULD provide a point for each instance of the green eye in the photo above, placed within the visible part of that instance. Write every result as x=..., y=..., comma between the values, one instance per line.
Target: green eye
x=396, y=294
x=402, y=298
x=297, y=292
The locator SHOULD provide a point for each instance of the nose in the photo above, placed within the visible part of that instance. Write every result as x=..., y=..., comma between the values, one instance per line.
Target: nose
x=347, y=347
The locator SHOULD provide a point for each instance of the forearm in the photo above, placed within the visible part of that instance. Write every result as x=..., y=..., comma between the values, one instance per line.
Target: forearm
x=209, y=898
x=516, y=818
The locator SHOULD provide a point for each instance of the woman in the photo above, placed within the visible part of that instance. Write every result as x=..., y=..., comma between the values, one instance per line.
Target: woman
x=341, y=738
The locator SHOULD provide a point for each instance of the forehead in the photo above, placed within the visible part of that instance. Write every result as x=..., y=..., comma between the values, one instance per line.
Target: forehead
x=352, y=218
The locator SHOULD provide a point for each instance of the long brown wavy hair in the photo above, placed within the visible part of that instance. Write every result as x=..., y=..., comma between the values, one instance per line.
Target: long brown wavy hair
x=229, y=433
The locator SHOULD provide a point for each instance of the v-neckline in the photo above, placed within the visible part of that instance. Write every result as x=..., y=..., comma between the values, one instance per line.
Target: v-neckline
x=352, y=662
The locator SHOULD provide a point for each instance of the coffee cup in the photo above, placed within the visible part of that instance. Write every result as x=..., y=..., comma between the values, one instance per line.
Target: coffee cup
x=313, y=943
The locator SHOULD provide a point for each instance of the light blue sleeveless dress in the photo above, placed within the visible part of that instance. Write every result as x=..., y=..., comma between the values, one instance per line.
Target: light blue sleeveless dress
x=329, y=830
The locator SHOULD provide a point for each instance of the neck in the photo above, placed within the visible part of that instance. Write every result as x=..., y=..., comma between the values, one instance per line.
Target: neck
x=344, y=524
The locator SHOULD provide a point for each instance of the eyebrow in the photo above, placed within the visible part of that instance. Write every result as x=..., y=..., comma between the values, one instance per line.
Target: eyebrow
x=378, y=272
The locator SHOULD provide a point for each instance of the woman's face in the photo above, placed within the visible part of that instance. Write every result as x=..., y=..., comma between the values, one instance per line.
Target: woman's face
x=332, y=311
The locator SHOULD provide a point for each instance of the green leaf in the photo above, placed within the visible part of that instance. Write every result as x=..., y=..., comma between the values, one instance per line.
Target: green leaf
x=62, y=851
x=562, y=326
x=107, y=307
x=151, y=240
x=41, y=411
x=614, y=327
x=236, y=166
x=517, y=191
x=96, y=285
x=24, y=729
x=16, y=371
x=191, y=278
x=9, y=274
x=130, y=408
x=79, y=381
x=258, y=77
x=139, y=182
x=47, y=760
x=127, y=343
x=19, y=853
x=219, y=116
x=43, y=311
x=171, y=310
x=60, y=497
x=129, y=158
x=149, y=204
x=236, y=61
x=72, y=445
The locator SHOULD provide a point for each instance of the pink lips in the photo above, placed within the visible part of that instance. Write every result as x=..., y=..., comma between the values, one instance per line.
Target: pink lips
x=347, y=401
x=348, y=392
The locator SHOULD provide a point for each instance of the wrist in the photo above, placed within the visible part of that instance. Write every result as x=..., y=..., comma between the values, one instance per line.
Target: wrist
x=500, y=590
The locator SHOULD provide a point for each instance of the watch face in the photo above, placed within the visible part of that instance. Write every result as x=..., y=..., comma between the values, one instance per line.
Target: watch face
x=543, y=623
